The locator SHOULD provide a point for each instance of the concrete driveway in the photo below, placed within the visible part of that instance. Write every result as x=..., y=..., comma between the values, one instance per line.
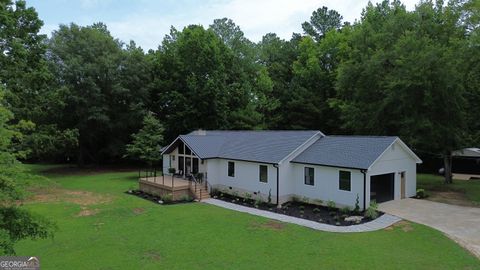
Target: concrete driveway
x=460, y=223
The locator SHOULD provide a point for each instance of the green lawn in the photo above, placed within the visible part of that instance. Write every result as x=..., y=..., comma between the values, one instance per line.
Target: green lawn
x=434, y=183
x=126, y=232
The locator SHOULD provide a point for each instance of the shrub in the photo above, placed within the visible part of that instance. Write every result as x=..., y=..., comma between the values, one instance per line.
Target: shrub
x=318, y=201
x=258, y=201
x=269, y=199
x=332, y=213
x=331, y=205
x=421, y=193
x=186, y=198
x=305, y=200
x=357, y=205
x=301, y=207
x=248, y=196
x=171, y=170
x=345, y=210
x=295, y=198
x=215, y=192
x=235, y=193
x=301, y=212
x=167, y=198
x=371, y=211
x=316, y=210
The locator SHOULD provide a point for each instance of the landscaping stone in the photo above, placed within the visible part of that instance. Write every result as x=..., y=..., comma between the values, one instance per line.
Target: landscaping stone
x=355, y=219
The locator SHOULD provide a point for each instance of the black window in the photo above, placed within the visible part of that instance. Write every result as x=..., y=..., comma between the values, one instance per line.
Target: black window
x=231, y=169
x=195, y=165
x=180, y=148
x=263, y=173
x=187, y=150
x=309, y=176
x=180, y=165
x=345, y=180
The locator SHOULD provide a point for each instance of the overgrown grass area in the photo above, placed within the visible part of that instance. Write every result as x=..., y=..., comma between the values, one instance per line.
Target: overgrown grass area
x=101, y=227
x=434, y=185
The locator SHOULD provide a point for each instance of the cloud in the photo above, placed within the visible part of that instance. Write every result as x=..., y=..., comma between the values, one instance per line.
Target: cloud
x=149, y=21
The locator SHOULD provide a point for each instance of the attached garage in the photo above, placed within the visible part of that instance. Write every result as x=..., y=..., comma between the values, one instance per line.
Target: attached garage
x=393, y=175
x=382, y=187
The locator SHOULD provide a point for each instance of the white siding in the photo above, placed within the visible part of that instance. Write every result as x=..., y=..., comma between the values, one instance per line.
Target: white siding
x=326, y=186
x=287, y=177
x=396, y=160
x=246, y=177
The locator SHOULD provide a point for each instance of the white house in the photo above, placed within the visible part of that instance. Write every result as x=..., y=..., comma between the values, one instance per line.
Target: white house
x=298, y=163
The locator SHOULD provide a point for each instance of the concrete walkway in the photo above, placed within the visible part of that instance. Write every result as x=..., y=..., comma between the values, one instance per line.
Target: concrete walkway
x=460, y=223
x=377, y=224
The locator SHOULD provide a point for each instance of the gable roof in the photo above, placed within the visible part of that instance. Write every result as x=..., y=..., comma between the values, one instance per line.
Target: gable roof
x=259, y=146
x=356, y=152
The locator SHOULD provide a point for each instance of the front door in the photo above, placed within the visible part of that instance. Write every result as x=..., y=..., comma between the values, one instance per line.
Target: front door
x=402, y=185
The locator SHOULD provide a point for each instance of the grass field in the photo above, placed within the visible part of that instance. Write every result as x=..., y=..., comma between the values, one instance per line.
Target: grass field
x=100, y=227
x=460, y=192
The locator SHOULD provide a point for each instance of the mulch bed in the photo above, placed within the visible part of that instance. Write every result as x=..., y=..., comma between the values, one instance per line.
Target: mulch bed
x=154, y=198
x=317, y=213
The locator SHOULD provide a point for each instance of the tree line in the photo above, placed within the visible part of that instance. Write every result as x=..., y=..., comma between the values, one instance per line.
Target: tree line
x=81, y=93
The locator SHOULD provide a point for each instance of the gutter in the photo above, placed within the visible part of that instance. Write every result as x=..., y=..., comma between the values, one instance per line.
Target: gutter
x=278, y=177
x=364, y=189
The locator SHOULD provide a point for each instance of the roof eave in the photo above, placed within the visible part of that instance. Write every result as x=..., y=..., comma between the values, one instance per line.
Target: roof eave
x=328, y=165
x=180, y=138
x=404, y=146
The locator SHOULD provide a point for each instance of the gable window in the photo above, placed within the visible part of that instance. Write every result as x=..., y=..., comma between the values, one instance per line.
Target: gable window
x=263, y=171
x=309, y=176
x=180, y=148
x=231, y=169
x=345, y=181
x=187, y=150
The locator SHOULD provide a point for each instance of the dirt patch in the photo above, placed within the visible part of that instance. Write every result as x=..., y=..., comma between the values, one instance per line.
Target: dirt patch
x=138, y=211
x=403, y=225
x=88, y=212
x=152, y=255
x=271, y=224
x=451, y=197
x=83, y=198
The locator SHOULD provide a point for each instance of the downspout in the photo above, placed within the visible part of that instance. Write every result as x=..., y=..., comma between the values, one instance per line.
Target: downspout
x=276, y=166
x=364, y=189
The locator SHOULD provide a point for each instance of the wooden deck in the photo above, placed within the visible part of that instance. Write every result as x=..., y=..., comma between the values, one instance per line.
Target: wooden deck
x=176, y=186
x=167, y=181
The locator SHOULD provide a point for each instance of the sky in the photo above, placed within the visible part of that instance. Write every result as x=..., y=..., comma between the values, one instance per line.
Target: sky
x=148, y=21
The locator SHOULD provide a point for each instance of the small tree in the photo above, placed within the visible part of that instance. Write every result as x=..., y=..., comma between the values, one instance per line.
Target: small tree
x=16, y=222
x=147, y=141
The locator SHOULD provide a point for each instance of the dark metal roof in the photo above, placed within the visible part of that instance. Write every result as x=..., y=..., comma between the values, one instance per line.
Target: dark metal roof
x=358, y=152
x=260, y=146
